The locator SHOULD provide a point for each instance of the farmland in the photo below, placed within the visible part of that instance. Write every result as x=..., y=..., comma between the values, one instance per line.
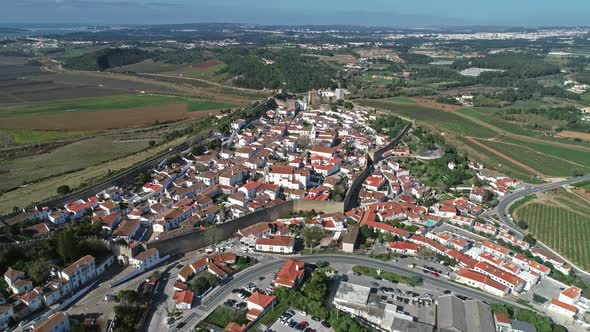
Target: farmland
x=46, y=188
x=104, y=113
x=432, y=117
x=561, y=220
x=499, y=144
x=23, y=136
x=92, y=151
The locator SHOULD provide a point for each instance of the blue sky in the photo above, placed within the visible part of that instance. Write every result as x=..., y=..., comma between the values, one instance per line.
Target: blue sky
x=364, y=12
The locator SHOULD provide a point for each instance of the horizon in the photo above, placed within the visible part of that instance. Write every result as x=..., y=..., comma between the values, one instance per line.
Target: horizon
x=375, y=13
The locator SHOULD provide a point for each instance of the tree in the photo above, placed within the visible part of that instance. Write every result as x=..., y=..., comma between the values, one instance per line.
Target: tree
x=348, y=105
x=522, y=224
x=38, y=270
x=66, y=246
x=143, y=177
x=127, y=296
x=367, y=232
x=312, y=236
x=151, y=143
x=530, y=238
x=198, y=150
x=63, y=190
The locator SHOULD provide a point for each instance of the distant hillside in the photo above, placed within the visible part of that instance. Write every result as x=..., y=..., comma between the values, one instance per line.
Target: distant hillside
x=5, y=30
x=107, y=58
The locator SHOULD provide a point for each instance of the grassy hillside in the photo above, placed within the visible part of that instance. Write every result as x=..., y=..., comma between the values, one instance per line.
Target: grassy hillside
x=501, y=145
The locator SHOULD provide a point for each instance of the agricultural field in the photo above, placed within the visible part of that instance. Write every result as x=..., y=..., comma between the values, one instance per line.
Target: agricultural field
x=68, y=158
x=561, y=220
x=104, y=113
x=499, y=144
x=431, y=117
x=544, y=163
x=43, y=189
x=401, y=100
x=24, y=137
x=31, y=83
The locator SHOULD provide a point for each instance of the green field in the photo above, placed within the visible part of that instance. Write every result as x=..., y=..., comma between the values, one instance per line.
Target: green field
x=87, y=152
x=563, y=228
x=486, y=115
x=548, y=158
x=548, y=165
x=446, y=121
x=103, y=104
x=23, y=136
x=400, y=100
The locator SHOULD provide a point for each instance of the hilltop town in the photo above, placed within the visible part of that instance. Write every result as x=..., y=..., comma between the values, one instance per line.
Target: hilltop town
x=306, y=207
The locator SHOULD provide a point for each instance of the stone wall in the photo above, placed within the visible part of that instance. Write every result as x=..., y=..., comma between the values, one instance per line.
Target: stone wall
x=195, y=239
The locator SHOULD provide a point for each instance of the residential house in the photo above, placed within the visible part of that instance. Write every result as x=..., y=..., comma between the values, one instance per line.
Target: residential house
x=58, y=322
x=80, y=272
x=276, y=243
x=291, y=274
x=258, y=304
x=145, y=260
x=184, y=300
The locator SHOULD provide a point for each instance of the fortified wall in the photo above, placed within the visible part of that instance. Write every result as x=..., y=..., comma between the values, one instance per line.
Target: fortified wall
x=196, y=239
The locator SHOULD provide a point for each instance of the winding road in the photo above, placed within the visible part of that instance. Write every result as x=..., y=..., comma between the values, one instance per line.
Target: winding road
x=273, y=264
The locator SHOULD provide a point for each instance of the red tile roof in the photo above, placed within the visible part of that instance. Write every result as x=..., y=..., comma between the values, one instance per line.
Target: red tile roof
x=563, y=305
x=260, y=299
x=184, y=297
x=290, y=273
x=572, y=292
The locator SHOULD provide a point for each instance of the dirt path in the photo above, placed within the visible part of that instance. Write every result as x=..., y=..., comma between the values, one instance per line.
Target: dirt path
x=503, y=156
x=183, y=89
x=204, y=81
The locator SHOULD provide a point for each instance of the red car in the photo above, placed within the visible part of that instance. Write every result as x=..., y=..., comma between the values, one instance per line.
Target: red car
x=304, y=324
x=435, y=274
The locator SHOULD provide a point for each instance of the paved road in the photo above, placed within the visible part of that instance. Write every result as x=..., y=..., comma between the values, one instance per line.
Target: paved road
x=504, y=215
x=272, y=265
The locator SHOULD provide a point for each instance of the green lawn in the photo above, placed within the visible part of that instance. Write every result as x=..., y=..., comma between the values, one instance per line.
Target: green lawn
x=23, y=136
x=446, y=121
x=102, y=104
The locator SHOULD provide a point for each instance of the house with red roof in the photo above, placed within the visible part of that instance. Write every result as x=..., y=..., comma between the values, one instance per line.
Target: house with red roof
x=570, y=295
x=562, y=308
x=79, y=208
x=276, y=243
x=258, y=304
x=429, y=243
x=462, y=259
x=291, y=274
x=481, y=281
x=494, y=249
x=404, y=248
x=513, y=282
x=184, y=300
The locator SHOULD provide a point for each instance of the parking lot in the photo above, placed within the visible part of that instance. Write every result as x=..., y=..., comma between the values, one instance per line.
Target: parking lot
x=298, y=321
x=237, y=298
